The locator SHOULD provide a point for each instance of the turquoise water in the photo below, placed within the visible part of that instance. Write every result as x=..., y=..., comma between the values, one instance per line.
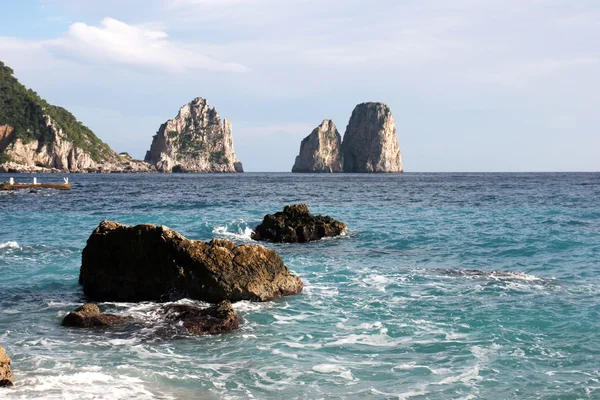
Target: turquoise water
x=389, y=311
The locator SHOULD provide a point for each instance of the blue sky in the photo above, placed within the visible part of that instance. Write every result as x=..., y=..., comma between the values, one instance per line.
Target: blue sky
x=474, y=85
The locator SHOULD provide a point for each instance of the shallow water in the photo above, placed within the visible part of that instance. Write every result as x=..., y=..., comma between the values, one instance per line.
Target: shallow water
x=446, y=286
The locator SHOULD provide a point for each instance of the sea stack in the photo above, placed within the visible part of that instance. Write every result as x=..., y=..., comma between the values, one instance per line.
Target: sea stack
x=194, y=141
x=370, y=142
x=321, y=150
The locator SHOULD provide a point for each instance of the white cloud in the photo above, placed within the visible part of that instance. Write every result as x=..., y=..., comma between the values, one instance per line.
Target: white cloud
x=119, y=43
x=519, y=75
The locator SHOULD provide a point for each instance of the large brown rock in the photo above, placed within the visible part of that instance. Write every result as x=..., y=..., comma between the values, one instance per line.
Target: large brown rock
x=89, y=316
x=297, y=224
x=203, y=321
x=5, y=373
x=149, y=262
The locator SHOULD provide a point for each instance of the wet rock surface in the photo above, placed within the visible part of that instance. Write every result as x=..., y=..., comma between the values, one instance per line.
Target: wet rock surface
x=155, y=263
x=202, y=321
x=295, y=224
x=89, y=316
x=5, y=372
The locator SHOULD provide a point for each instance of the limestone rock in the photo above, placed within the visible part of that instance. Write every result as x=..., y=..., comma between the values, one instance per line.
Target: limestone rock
x=370, y=142
x=89, y=316
x=321, y=150
x=5, y=372
x=149, y=262
x=203, y=321
x=297, y=224
x=194, y=141
x=38, y=137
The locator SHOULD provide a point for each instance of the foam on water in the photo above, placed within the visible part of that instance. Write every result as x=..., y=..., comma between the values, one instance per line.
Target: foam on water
x=237, y=230
x=446, y=286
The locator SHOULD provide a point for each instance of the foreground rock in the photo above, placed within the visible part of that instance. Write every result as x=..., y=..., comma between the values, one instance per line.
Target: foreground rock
x=149, y=262
x=321, y=150
x=194, y=141
x=89, y=316
x=370, y=142
x=5, y=373
x=297, y=224
x=203, y=321
x=174, y=317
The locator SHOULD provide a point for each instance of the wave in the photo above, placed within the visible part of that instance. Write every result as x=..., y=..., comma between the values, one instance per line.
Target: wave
x=237, y=230
x=10, y=245
x=494, y=275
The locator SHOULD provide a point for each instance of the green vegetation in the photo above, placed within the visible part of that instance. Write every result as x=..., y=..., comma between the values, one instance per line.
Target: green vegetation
x=4, y=158
x=24, y=110
x=218, y=157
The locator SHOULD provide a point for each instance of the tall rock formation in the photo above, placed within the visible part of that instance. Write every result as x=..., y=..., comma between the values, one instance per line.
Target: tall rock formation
x=370, y=142
x=194, y=141
x=38, y=137
x=321, y=150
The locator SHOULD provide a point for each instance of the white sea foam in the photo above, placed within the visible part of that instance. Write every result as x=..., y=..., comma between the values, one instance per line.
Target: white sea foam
x=377, y=281
x=10, y=245
x=471, y=374
x=235, y=230
x=84, y=383
x=334, y=369
x=378, y=340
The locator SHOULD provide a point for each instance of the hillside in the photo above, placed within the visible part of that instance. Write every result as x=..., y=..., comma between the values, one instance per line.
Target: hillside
x=38, y=136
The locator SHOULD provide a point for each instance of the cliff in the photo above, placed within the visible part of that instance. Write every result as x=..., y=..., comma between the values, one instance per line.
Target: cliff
x=320, y=151
x=370, y=142
x=36, y=136
x=194, y=141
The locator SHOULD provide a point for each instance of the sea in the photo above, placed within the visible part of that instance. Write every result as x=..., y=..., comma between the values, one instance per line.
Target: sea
x=445, y=286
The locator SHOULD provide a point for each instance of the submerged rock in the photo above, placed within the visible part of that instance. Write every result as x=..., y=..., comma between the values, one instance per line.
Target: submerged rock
x=370, y=142
x=194, y=141
x=203, y=321
x=297, y=224
x=321, y=150
x=89, y=316
x=149, y=262
x=5, y=372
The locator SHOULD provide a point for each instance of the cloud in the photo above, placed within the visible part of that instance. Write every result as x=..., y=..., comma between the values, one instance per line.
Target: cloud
x=519, y=75
x=119, y=43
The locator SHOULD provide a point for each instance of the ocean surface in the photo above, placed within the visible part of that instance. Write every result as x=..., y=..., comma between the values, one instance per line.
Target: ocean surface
x=446, y=286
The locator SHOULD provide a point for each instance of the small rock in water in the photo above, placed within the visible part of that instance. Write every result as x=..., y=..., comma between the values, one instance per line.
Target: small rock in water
x=5, y=372
x=89, y=316
x=203, y=321
x=297, y=224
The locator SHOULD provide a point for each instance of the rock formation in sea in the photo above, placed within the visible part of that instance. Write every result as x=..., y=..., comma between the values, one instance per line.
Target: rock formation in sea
x=5, y=372
x=203, y=321
x=149, y=262
x=89, y=316
x=194, y=141
x=297, y=224
x=370, y=143
x=36, y=136
x=172, y=319
x=321, y=150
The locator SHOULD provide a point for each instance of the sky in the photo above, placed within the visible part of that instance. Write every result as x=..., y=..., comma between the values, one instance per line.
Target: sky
x=473, y=85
